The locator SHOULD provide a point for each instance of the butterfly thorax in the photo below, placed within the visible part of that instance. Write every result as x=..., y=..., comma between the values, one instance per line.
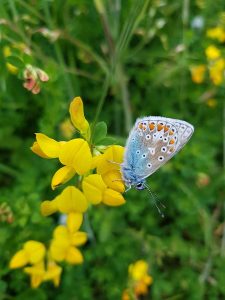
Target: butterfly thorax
x=131, y=179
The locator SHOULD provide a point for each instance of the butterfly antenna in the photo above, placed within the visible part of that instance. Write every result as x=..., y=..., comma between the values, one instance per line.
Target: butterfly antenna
x=155, y=199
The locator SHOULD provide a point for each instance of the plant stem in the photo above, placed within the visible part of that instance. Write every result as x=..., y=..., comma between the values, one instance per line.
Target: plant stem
x=102, y=100
x=59, y=54
x=122, y=81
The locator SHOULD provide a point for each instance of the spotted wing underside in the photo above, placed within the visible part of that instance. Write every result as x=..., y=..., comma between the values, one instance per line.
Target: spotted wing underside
x=153, y=141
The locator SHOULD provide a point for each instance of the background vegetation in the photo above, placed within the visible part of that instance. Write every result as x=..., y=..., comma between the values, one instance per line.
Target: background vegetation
x=138, y=55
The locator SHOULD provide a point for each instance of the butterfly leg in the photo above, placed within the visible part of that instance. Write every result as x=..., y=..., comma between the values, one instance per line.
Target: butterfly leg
x=127, y=189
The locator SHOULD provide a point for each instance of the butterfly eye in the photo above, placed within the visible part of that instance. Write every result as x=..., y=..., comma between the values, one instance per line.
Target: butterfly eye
x=163, y=149
x=160, y=158
x=138, y=151
x=149, y=165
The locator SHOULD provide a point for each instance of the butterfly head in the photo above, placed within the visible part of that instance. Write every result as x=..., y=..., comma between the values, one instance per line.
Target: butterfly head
x=140, y=185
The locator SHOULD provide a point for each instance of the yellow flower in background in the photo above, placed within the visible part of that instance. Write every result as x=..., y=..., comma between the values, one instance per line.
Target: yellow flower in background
x=7, y=52
x=67, y=129
x=216, y=71
x=78, y=119
x=217, y=33
x=138, y=273
x=33, y=252
x=96, y=191
x=39, y=274
x=212, y=52
x=36, y=272
x=53, y=273
x=198, y=73
x=64, y=245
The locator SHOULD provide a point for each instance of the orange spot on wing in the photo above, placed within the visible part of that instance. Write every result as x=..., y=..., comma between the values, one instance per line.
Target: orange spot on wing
x=166, y=129
x=171, y=132
x=151, y=126
x=160, y=127
x=172, y=141
x=140, y=126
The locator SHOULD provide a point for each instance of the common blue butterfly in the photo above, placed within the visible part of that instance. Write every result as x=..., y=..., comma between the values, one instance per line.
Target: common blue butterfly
x=151, y=143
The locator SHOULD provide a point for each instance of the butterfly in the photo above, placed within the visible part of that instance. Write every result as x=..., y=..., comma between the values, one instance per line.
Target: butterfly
x=151, y=143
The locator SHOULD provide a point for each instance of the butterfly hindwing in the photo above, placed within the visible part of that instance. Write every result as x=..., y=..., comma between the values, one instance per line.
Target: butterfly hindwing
x=153, y=141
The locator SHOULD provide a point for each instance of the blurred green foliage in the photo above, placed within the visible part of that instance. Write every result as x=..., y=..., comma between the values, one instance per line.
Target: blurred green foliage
x=149, y=47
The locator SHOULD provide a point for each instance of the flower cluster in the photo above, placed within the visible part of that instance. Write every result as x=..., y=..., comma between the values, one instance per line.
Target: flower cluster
x=98, y=180
x=214, y=68
x=32, y=76
x=138, y=282
x=33, y=253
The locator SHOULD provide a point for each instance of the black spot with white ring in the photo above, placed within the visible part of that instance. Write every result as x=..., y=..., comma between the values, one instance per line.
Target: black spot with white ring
x=148, y=137
x=144, y=155
x=163, y=149
x=149, y=165
x=138, y=152
x=160, y=158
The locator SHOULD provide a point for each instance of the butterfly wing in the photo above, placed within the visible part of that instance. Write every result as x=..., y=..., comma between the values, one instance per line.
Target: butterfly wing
x=152, y=142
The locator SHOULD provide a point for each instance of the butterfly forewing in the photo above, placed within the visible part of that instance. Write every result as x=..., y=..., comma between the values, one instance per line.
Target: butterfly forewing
x=153, y=141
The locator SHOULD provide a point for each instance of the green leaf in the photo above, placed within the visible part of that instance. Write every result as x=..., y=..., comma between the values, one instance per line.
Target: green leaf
x=100, y=132
x=15, y=61
x=107, y=141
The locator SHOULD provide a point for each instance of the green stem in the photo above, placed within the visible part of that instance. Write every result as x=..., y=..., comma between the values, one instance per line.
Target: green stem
x=102, y=101
x=122, y=81
x=8, y=170
x=59, y=54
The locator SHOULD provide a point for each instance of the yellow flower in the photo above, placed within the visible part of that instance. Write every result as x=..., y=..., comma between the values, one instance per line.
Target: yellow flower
x=216, y=71
x=139, y=275
x=72, y=202
x=96, y=191
x=78, y=119
x=108, y=166
x=67, y=129
x=7, y=52
x=75, y=155
x=198, y=73
x=32, y=252
x=64, y=245
x=38, y=273
x=53, y=273
x=217, y=33
x=212, y=52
